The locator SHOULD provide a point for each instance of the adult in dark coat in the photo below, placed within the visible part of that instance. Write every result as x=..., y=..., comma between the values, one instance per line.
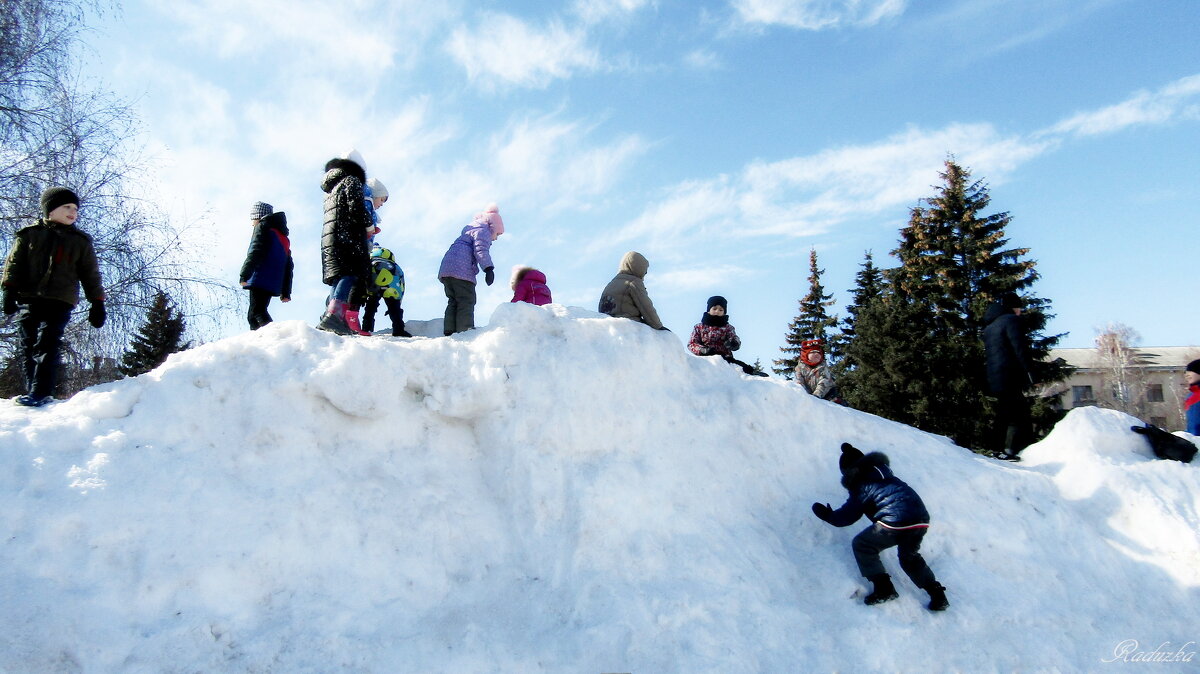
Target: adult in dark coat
x=898, y=518
x=1008, y=373
x=267, y=271
x=345, y=258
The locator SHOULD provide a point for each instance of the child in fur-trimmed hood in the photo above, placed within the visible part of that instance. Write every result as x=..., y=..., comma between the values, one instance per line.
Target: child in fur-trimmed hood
x=898, y=518
x=529, y=285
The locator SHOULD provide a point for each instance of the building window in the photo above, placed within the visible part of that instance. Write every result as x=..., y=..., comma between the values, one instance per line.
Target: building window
x=1082, y=395
x=1161, y=422
x=1154, y=393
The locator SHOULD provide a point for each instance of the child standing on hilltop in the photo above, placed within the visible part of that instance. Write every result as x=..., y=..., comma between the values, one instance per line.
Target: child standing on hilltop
x=714, y=336
x=470, y=252
x=529, y=285
x=267, y=271
x=344, y=257
x=898, y=518
x=386, y=285
x=42, y=274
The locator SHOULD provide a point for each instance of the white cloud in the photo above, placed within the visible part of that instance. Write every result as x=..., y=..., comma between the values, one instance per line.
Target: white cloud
x=504, y=49
x=804, y=196
x=594, y=11
x=817, y=14
x=1173, y=101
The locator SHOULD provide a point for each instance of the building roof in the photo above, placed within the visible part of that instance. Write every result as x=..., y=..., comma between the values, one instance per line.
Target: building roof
x=1153, y=357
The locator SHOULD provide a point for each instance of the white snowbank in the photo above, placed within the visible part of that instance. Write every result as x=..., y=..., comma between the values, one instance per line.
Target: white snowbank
x=559, y=491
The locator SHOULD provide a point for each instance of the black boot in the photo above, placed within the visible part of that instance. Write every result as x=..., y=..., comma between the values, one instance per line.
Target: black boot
x=937, y=597
x=884, y=590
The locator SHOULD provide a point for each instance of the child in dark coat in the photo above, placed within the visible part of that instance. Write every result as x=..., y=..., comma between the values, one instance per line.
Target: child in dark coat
x=46, y=265
x=898, y=518
x=714, y=336
x=267, y=271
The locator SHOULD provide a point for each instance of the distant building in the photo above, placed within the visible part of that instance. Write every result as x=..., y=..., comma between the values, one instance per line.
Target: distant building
x=1148, y=384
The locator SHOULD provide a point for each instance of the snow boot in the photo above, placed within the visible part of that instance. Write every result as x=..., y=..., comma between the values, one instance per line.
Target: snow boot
x=937, y=597
x=31, y=401
x=334, y=318
x=352, y=322
x=399, y=331
x=884, y=590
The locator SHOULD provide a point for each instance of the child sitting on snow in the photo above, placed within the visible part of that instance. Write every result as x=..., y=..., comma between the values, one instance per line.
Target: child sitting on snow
x=812, y=371
x=898, y=518
x=529, y=285
x=386, y=284
x=625, y=295
x=714, y=336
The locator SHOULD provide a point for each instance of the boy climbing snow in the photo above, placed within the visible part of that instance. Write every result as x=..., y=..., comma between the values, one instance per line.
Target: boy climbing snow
x=898, y=518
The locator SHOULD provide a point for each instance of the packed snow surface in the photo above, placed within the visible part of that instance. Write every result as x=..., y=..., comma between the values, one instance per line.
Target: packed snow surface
x=556, y=492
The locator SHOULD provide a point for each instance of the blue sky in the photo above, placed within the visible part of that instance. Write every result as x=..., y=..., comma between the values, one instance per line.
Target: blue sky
x=722, y=139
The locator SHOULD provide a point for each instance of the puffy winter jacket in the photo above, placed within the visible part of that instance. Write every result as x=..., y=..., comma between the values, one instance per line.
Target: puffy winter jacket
x=343, y=238
x=816, y=380
x=50, y=260
x=529, y=285
x=625, y=296
x=1191, y=407
x=469, y=253
x=268, y=264
x=713, y=340
x=880, y=495
x=1004, y=345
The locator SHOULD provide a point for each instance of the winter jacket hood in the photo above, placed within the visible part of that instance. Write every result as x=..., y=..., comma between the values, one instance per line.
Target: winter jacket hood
x=635, y=264
x=521, y=273
x=995, y=310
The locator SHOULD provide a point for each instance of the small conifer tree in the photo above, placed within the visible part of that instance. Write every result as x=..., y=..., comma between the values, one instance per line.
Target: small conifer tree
x=159, y=337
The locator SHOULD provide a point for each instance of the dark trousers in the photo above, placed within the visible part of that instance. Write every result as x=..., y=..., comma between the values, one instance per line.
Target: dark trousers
x=42, y=325
x=258, y=316
x=876, y=538
x=393, y=310
x=460, y=305
x=1014, y=427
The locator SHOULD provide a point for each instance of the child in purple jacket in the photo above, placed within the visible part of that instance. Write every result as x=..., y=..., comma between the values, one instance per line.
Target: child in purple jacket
x=470, y=252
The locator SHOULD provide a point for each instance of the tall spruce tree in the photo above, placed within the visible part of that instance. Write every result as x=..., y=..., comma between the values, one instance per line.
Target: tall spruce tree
x=813, y=321
x=917, y=356
x=159, y=337
x=869, y=284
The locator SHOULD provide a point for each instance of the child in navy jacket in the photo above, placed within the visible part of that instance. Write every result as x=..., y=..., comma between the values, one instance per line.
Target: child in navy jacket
x=898, y=518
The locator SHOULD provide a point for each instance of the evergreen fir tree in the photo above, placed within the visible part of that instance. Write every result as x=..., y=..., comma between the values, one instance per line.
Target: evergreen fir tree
x=869, y=285
x=917, y=355
x=813, y=322
x=159, y=337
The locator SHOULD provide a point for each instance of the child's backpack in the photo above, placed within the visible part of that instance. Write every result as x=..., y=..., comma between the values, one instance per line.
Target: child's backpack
x=387, y=275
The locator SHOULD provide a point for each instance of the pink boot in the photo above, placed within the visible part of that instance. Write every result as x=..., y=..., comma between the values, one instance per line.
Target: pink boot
x=353, y=323
x=334, y=318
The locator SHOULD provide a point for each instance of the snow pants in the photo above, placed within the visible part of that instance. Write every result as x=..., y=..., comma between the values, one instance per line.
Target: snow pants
x=42, y=325
x=372, y=307
x=460, y=305
x=259, y=300
x=876, y=538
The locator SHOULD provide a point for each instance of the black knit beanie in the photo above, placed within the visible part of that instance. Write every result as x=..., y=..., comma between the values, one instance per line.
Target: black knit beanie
x=716, y=300
x=850, y=456
x=55, y=197
x=1194, y=366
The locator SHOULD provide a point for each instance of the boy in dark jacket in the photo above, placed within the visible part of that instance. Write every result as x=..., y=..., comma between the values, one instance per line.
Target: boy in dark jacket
x=1008, y=374
x=45, y=267
x=267, y=271
x=898, y=518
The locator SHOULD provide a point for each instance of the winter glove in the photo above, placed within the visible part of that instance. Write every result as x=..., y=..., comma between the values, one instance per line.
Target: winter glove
x=10, y=303
x=489, y=275
x=822, y=510
x=96, y=315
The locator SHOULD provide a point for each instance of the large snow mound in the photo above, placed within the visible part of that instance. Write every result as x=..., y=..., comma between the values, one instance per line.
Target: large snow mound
x=559, y=491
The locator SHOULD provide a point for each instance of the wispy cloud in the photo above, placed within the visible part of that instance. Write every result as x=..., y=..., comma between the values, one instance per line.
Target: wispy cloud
x=817, y=14
x=502, y=49
x=1177, y=100
x=805, y=196
x=595, y=11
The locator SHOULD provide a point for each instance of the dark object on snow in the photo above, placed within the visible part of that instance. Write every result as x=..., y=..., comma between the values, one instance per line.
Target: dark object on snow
x=1166, y=445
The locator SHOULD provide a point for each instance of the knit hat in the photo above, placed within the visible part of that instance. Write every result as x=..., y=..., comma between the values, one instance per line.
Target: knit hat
x=261, y=209
x=1193, y=366
x=850, y=456
x=491, y=216
x=55, y=197
x=378, y=191
x=715, y=301
x=812, y=352
x=1011, y=301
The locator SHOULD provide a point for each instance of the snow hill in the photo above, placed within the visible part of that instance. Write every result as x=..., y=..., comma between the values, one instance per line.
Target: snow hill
x=556, y=492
